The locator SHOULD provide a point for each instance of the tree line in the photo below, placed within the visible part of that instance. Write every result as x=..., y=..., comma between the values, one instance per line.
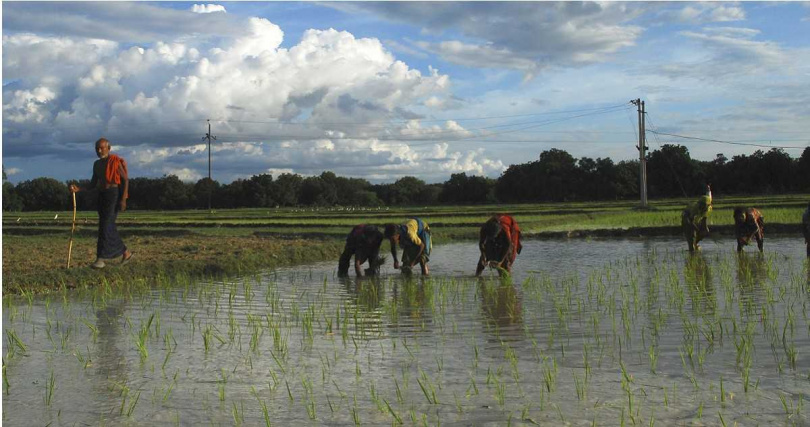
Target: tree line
x=555, y=176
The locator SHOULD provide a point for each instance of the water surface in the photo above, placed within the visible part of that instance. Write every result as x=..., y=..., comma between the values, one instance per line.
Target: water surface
x=604, y=331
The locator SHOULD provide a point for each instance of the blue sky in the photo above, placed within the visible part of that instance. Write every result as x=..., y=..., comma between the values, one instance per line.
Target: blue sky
x=384, y=90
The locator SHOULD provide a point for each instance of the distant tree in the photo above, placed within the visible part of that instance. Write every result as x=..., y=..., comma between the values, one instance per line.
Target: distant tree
x=173, y=193
x=776, y=168
x=605, y=182
x=519, y=183
x=558, y=175
x=627, y=180
x=43, y=194
x=205, y=188
x=461, y=188
x=407, y=191
x=261, y=191
x=318, y=191
x=354, y=191
x=288, y=188
x=11, y=201
x=672, y=173
x=716, y=174
x=802, y=179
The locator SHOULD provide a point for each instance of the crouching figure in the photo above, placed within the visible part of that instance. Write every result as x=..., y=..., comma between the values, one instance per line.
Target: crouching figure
x=363, y=242
x=748, y=223
x=694, y=220
x=499, y=243
x=414, y=237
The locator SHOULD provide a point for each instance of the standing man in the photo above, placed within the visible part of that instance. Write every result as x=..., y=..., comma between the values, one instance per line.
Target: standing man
x=499, y=243
x=414, y=238
x=111, y=180
x=363, y=242
x=748, y=223
x=806, y=228
x=694, y=220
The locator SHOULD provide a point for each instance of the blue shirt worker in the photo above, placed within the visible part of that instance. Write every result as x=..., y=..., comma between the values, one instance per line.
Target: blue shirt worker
x=413, y=237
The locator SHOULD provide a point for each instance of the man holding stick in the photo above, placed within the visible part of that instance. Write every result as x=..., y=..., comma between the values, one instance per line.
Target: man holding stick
x=111, y=180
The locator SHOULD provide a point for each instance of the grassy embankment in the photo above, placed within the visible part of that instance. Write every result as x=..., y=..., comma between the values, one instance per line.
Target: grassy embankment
x=225, y=242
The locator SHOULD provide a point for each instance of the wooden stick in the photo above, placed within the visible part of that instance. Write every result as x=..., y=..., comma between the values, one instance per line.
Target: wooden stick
x=72, y=229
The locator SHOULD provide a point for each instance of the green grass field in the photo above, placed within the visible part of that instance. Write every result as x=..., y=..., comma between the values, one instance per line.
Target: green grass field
x=235, y=240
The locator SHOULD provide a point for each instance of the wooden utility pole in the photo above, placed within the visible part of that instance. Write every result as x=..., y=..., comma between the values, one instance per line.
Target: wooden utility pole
x=209, y=137
x=642, y=151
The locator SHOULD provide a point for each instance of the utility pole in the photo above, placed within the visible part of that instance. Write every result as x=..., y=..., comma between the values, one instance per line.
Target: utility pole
x=209, y=137
x=642, y=151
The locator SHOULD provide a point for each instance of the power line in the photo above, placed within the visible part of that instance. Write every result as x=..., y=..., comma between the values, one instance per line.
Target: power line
x=431, y=136
x=728, y=142
x=666, y=159
x=455, y=119
x=53, y=127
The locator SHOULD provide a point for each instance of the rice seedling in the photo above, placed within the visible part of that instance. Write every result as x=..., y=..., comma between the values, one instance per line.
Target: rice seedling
x=50, y=387
x=14, y=343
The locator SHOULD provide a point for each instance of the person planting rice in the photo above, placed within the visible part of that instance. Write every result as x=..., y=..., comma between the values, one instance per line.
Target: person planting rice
x=111, y=180
x=694, y=220
x=806, y=228
x=499, y=242
x=363, y=242
x=748, y=223
x=414, y=238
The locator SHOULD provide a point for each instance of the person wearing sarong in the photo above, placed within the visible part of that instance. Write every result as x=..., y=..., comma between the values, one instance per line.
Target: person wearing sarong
x=363, y=242
x=748, y=223
x=413, y=237
x=694, y=220
x=806, y=228
x=499, y=243
x=111, y=181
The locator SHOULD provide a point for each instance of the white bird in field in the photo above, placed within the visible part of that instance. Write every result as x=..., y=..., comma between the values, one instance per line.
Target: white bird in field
x=56, y=216
x=18, y=219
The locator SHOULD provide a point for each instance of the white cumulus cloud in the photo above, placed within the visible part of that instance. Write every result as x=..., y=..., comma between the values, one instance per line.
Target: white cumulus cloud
x=271, y=108
x=207, y=8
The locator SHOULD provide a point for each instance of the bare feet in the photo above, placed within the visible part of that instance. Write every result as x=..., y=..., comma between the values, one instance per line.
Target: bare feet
x=126, y=257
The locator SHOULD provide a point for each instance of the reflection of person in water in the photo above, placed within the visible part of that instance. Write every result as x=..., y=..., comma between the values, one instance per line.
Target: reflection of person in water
x=500, y=302
x=108, y=360
x=698, y=276
x=751, y=271
x=365, y=292
x=412, y=303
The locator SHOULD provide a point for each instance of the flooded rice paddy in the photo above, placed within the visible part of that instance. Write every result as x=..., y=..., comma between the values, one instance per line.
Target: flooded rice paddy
x=604, y=332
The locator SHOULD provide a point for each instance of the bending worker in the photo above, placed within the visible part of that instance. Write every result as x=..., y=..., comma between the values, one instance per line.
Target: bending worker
x=694, y=220
x=363, y=242
x=499, y=242
x=111, y=180
x=414, y=238
x=748, y=223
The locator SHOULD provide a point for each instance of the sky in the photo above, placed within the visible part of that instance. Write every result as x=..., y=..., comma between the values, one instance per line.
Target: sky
x=382, y=90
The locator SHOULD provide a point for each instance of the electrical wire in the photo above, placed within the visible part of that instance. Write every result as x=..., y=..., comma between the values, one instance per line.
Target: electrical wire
x=786, y=147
